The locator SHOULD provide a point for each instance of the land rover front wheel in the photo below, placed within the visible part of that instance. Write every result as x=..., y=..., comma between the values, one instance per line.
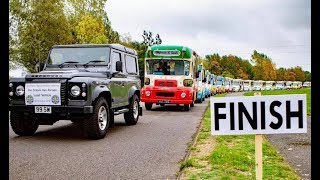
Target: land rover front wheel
x=97, y=124
x=23, y=126
x=132, y=116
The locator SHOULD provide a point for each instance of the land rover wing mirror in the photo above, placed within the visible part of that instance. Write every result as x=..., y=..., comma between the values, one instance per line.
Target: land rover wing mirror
x=204, y=80
x=197, y=74
x=119, y=66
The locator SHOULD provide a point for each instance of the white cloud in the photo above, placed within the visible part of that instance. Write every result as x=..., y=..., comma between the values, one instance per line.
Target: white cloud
x=279, y=29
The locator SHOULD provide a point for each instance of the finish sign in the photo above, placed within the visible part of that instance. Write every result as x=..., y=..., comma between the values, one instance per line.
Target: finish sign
x=273, y=114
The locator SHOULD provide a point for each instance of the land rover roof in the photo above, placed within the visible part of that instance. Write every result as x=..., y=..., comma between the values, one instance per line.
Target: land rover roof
x=113, y=46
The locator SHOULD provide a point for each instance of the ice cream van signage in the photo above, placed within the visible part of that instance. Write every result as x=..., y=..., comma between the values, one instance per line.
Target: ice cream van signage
x=42, y=94
x=166, y=52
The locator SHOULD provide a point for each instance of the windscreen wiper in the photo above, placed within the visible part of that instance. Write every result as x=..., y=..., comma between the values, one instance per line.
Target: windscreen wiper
x=93, y=61
x=67, y=62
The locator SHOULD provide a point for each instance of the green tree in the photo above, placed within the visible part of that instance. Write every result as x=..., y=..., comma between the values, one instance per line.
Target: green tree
x=39, y=24
x=308, y=75
x=90, y=30
x=300, y=75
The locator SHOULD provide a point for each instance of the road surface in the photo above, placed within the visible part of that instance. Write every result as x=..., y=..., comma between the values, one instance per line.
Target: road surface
x=152, y=149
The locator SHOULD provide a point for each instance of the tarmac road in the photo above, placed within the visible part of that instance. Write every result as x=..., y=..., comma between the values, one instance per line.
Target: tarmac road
x=152, y=149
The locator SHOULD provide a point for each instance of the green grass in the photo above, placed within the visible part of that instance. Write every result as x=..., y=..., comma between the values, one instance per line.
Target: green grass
x=233, y=157
x=306, y=91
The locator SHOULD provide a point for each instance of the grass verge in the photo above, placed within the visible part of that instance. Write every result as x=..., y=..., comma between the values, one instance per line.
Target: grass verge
x=231, y=157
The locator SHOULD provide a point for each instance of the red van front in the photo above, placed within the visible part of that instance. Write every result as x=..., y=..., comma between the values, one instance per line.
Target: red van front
x=167, y=92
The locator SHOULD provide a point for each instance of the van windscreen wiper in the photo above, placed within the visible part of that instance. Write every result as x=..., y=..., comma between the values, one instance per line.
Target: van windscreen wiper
x=67, y=62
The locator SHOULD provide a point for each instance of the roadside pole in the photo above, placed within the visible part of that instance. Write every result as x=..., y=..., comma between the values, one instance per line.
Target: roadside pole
x=258, y=151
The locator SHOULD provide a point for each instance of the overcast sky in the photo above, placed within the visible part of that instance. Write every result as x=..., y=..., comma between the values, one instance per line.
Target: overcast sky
x=281, y=29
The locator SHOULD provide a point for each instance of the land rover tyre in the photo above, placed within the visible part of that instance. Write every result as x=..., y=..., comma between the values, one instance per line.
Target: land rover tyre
x=132, y=116
x=23, y=126
x=148, y=106
x=97, y=124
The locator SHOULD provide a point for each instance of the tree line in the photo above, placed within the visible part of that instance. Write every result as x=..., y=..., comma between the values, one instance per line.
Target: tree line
x=36, y=25
x=259, y=67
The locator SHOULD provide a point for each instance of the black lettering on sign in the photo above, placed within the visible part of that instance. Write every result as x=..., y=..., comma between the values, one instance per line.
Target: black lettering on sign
x=251, y=120
x=263, y=115
x=290, y=114
x=232, y=116
x=218, y=116
x=275, y=114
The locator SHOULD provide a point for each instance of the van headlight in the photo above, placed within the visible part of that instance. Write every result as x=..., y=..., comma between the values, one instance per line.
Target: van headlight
x=20, y=90
x=75, y=90
x=183, y=94
x=148, y=93
x=146, y=81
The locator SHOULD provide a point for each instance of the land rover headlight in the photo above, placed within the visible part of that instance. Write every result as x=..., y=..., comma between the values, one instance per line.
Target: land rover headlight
x=20, y=90
x=183, y=94
x=75, y=90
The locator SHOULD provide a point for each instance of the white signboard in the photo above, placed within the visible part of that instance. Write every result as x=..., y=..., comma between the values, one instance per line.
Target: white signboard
x=274, y=114
x=166, y=52
x=42, y=94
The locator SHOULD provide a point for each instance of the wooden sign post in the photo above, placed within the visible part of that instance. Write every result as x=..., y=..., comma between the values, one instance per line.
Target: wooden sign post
x=258, y=151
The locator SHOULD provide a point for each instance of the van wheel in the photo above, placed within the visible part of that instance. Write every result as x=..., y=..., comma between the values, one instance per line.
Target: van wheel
x=23, y=126
x=132, y=116
x=192, y=104
x=97, y=124
x=187, y=107
x=148, y=106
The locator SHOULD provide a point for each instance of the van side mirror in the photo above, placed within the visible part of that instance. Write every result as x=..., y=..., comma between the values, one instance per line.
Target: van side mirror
x=204, y=80
x=119, y=66
x=197, y=74
x=39, y=66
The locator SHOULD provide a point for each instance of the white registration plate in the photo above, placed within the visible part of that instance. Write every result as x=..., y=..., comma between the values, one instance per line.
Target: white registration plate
x=42, y=109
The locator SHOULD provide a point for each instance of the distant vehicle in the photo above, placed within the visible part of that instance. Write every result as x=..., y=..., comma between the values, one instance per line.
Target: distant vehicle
x=208, y=86
x=306, y=84
x=237, y=85
x=270, y=85
x=247, y=85
x=200, y=84
x=258, y=85
x=214, y=84
x=229, y=84
x=288, y=85
x=221, y=84
x=280, y=85
x=295, y=85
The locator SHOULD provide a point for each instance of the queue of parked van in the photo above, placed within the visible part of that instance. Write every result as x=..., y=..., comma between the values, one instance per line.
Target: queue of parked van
x=215, y=84
x=175, y=75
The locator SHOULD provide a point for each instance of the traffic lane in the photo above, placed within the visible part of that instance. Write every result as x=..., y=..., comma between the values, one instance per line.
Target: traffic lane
x=152, y=149
x=296, y=149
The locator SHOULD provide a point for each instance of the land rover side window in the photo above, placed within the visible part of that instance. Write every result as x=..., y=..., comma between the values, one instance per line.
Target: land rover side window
x=131, y=64
x=114, y=58
x=78, y=54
